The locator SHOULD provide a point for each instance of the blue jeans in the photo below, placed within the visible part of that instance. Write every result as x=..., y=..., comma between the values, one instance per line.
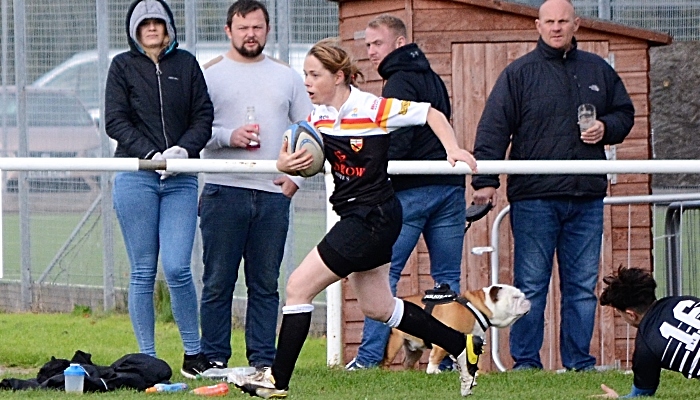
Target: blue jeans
x=159, y=216
x=574, y=227
x=439, y=213
x=249, y=224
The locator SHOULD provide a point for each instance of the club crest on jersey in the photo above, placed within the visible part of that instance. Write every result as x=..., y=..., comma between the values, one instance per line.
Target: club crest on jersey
x=404, y=107
x=356, y=144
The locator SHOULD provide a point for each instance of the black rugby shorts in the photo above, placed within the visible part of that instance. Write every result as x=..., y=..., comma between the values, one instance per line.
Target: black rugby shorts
x=357, y=244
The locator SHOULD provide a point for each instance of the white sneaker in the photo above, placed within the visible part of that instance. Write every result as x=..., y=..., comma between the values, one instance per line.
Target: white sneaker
x=467, y=368
x=261, y=384
x=353, y=365
x=465, y=379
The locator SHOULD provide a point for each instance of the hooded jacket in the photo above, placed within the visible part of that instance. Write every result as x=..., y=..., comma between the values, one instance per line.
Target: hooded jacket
x=409, y=77
x=149, y=106
x=533, y=109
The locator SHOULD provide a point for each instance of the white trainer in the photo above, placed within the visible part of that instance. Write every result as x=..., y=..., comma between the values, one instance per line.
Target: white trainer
x=260, y=384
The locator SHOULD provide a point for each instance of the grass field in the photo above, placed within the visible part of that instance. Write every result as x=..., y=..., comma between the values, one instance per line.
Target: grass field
x=29, y=340
x=81, y=262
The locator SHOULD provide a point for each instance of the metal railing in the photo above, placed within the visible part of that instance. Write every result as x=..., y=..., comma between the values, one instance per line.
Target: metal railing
x=676, y=234
x=678, y=202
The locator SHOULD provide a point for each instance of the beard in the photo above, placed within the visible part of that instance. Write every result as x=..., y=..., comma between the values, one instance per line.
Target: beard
x=250, y=53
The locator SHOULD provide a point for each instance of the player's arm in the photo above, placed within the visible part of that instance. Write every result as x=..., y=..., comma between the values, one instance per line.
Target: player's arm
x=392, y=114
x=612, y=394
x=443, y=130
x=637, y=392
x=647, y=371
x=400, y=86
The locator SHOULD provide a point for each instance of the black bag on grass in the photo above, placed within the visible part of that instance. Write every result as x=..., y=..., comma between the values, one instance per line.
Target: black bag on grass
x=132, y=371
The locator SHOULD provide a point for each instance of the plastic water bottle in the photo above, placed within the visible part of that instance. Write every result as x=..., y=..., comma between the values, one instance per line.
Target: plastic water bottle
x=74, y=377
x=250, y=119
x=223, y=373
x=215, y=373
x=220, y=389
x=167, y=387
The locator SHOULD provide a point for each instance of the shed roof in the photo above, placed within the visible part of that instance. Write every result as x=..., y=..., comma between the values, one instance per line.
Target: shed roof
x=653, y=37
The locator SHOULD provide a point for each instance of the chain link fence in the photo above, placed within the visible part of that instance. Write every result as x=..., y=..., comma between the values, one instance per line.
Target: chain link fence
x=60, y=246
x=61, y=242
x=678, y=18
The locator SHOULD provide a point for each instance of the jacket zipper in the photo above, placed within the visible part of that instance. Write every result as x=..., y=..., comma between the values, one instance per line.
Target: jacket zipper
x=160, y=97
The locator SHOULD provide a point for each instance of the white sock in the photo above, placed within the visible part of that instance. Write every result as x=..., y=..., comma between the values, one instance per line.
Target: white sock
x=297, y=309
x=396, y=316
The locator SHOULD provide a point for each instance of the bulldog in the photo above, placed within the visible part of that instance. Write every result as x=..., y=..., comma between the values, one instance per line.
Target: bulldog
x=472, y=312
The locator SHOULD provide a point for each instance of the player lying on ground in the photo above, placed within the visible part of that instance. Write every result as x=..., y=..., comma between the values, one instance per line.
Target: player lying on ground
x=668, y=332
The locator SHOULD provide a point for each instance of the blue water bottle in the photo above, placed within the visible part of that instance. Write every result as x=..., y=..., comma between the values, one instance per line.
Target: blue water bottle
x=167, y=387
x=74, y=378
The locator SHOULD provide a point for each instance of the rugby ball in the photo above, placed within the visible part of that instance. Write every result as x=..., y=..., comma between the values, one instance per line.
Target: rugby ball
x=302, y=135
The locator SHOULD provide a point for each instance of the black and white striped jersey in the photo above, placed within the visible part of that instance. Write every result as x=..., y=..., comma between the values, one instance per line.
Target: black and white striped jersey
x=668, y=338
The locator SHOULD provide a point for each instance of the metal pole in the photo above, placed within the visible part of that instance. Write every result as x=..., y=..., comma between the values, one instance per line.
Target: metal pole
x=3, y=79
x=569, y=167
x=513, y=167
x=604, y=11
x=673, y=249
x=196, y=262
x=106, y=212
x=3, y=100
x=495, y=350
x=334, y=294
x=191, y=26
x=24, y=226
x=283, y=34
x=271, y=45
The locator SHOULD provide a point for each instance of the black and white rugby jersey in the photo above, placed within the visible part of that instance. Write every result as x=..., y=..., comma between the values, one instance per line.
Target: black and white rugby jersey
x=356, y=143
x=669, y=338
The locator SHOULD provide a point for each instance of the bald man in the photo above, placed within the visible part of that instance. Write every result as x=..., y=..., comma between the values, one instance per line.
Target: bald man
x=533, y=109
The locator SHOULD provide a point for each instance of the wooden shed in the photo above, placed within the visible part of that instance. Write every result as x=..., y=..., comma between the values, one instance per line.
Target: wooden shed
x=468, y=43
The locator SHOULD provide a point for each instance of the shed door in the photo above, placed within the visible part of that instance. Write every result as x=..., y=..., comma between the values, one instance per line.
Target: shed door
x=475, y=68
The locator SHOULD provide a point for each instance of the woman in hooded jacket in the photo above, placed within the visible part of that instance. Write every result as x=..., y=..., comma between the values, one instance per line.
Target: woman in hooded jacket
x=157, y=107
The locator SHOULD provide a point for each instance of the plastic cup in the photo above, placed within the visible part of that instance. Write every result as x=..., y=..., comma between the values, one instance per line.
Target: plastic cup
x=586, y=116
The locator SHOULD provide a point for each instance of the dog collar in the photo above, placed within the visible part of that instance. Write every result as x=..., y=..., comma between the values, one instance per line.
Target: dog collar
x=480, y=317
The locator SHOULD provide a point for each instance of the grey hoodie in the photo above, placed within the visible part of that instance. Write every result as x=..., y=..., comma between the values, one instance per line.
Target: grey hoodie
x=146, y=9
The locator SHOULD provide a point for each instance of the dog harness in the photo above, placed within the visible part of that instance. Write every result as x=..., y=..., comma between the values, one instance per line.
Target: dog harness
x=442, y=294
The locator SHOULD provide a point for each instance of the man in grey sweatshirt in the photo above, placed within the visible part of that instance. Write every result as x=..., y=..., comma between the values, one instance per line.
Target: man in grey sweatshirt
x=246, y=216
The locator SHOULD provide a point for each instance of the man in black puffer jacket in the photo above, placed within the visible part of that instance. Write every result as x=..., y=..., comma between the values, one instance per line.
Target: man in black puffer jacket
x=533, y=109
x=433, y=205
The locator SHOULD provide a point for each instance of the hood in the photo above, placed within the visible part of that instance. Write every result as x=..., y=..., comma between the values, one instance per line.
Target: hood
x=140, y=10
x=405, y=58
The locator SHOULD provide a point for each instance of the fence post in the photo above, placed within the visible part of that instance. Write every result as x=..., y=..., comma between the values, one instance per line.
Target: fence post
x=20, y=21
x=673, y=248
x=604, y=9
x=106, y=212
